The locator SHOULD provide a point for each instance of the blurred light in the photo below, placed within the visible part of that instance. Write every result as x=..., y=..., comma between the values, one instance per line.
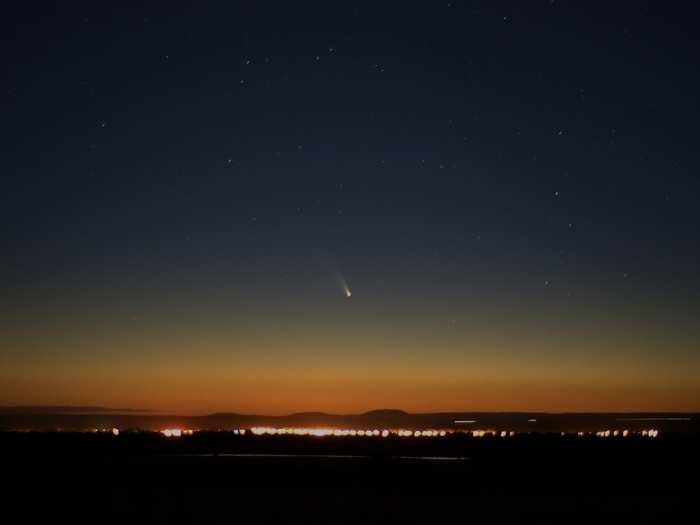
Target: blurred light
x=320, y=432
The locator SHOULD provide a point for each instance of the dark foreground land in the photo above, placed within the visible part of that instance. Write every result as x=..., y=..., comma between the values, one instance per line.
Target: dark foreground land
x=221, y=478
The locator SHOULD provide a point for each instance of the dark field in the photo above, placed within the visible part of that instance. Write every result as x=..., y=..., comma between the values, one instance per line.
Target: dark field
x=221, y=478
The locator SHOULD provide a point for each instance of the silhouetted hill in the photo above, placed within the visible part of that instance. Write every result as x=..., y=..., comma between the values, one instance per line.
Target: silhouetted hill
x=84, y=418
x=386, y=412
x=60, y=409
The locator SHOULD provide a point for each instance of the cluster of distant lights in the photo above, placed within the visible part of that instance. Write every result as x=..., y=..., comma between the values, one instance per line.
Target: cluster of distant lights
x=652, y=433
x=404, y=433
x=335, y=432
x=385, y=433
x=176, y=432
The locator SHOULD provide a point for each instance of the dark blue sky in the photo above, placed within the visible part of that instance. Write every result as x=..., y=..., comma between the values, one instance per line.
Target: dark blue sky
x=510, y=176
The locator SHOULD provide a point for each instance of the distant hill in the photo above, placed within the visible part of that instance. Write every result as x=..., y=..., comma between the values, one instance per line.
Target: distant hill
x=86, y=417
x=385, y=412
x=60, y=409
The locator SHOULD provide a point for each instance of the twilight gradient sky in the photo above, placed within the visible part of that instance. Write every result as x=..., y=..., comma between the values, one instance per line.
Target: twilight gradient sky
x=509, y=189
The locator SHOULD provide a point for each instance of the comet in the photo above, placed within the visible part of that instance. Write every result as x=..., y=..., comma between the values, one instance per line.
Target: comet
x=343, y=285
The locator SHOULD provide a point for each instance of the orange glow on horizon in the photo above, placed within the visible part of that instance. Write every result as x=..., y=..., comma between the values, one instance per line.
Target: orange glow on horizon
x=191, y=387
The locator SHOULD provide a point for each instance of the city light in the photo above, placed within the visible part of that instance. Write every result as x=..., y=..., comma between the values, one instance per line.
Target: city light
x=176, y=432
x=338, y=432
x=321, y=432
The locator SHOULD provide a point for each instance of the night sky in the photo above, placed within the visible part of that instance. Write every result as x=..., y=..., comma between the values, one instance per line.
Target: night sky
x=508, y=190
